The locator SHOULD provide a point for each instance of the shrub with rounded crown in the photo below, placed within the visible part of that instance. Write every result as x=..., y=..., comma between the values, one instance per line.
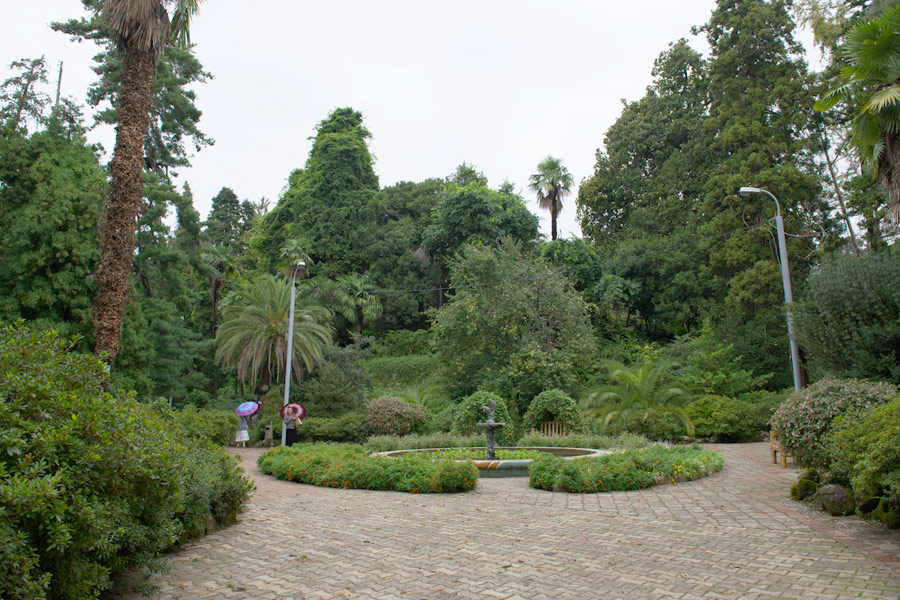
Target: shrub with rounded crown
x=394, y=416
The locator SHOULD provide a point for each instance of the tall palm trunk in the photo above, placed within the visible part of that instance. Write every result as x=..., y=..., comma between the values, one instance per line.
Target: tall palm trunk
x=125, y=192
x=553, y=212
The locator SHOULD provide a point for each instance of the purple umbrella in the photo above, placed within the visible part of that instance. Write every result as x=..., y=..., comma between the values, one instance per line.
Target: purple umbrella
x=246, y=409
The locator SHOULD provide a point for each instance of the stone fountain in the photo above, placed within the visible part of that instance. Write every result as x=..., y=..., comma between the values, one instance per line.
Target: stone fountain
x=489, y=426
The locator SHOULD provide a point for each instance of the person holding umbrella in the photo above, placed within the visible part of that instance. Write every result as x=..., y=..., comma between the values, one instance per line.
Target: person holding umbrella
x=292, y=414
x=244, y=411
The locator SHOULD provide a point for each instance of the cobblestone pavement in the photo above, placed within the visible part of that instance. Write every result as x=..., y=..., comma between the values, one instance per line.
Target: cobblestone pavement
x=735, y=534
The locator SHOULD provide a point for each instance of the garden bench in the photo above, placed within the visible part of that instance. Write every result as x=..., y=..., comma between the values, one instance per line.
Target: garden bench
x=775, y=447
x=550, y=429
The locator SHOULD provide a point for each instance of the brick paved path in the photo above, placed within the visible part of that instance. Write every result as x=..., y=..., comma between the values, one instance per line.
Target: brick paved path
x=732, y=535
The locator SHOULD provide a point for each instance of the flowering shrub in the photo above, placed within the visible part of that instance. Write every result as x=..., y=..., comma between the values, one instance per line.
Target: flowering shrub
x=803, y=422
x=628, y=470
x=393, y=416
x=346, y=466
x=865, y=451
x=552, y=405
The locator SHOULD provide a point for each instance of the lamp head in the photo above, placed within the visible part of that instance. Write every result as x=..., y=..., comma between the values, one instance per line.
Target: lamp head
x=746, y=191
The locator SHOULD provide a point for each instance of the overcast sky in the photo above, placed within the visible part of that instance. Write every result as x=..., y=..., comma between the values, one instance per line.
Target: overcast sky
x=495, y=83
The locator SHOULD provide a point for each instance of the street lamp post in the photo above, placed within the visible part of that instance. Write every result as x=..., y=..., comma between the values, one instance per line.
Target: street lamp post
x=785, y=281
x=290, y=344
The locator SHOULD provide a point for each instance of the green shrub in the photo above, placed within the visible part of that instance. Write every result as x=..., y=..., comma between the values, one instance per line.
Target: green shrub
x=441, y=421
x=468, y=413
x=628, y=470
x=348, y=428
x=218, y=426
x=552, y=405
x=723, y=419
x=332, y=393
x=387, y=443
x=344, y=466
x=802, y=423
x=395, y=371
x=403, y=342
x=92, y=484
x=849, y=322
x=654, y=423
x=393, y=416
x=865, y=451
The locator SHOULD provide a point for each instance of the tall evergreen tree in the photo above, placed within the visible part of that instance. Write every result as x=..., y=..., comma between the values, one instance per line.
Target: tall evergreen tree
x=51, y=195
x=323, y=201
x=760, y=108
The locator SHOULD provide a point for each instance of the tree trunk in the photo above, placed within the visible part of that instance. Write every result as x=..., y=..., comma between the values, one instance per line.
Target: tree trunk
x=553, y=221
x=125, y=192
x=358, y=326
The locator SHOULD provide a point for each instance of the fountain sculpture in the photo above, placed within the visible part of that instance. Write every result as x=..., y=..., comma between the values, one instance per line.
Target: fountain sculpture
x=489, y=426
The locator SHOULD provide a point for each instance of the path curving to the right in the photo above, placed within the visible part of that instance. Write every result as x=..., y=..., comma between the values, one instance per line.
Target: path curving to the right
x=734, y=534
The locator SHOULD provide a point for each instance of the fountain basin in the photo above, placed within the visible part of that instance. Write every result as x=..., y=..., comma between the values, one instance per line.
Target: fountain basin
x=507, y=468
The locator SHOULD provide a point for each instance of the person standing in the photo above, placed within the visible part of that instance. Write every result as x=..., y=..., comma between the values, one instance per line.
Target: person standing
x=243, y=435
x=291, y=421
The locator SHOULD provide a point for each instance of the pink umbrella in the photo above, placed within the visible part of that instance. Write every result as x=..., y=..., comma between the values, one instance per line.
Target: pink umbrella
x=246, y=409
x=295, y=409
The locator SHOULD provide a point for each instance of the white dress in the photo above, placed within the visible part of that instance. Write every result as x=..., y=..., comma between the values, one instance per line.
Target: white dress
x=242, y=434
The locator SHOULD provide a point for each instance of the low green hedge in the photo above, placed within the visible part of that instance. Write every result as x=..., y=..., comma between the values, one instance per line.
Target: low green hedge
x=629, y=470
x=351, y=427
x=387, y=443
x=586, y=440
x=347, y=466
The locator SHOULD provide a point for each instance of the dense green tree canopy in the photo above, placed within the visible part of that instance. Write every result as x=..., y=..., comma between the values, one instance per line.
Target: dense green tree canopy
x=51, y=195
x=514, y=325
x=324, y=199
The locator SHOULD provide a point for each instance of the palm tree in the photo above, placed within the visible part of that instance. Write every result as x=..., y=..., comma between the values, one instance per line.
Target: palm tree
x=253, y=334
x=141, y=30
x=637, y=392
x=872, y=51
x=551, y=183
x=351, y=297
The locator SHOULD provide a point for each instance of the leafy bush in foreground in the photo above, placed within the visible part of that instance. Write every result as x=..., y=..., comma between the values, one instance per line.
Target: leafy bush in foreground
x=865, y=451
x=345, y=466
x=628, y=470
x=803, y=421
x=90, y=484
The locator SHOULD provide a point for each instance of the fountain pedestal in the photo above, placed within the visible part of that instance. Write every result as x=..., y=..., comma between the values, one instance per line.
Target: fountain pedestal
x=489, y=426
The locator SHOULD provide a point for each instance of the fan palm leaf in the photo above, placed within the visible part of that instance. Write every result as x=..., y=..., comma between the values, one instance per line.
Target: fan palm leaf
x=253, y=334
